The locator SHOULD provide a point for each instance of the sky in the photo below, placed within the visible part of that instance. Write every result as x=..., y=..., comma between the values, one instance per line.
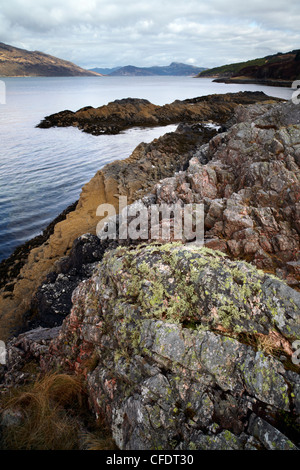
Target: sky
x=108, y=33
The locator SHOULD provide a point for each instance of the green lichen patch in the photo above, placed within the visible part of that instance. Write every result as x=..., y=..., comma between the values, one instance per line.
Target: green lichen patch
x=198, y=286
x=263, y=380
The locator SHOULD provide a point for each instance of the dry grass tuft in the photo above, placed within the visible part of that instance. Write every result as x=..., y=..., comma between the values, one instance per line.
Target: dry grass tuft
x=48, y=421
x=98, y=441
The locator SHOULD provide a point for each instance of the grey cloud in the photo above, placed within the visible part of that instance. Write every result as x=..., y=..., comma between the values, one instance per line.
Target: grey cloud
x=115, y=32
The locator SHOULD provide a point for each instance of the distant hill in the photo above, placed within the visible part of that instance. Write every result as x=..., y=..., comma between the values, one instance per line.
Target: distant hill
x=174, y=68
x=104, y=71
x=15, y=62
x=278, y=69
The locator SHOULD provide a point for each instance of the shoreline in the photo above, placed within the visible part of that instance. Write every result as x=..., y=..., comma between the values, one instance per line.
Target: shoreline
x=133, y=177
x=144, y=321
x=174, y=319
x=11, y=266
x=253, y=81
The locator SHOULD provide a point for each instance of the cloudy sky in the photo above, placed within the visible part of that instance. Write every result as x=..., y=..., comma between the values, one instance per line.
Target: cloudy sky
x=108, y=33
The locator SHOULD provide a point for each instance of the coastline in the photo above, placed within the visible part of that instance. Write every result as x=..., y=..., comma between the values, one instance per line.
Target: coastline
x=131, y=177
x=10, y=267
x=253, y=81
x=175, y=319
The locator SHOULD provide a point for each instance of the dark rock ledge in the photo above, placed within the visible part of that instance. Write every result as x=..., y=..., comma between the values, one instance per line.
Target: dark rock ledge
x=11, y=266
x=131, y=112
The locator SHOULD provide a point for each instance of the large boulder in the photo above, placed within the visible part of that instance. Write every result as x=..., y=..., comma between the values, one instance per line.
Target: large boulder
x=184, y=349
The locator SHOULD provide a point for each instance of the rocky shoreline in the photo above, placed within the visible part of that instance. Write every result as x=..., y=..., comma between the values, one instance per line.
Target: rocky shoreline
x=255, y=81
x=192, y=348
x=131, y=112
x=11, y=266
x=132, y=177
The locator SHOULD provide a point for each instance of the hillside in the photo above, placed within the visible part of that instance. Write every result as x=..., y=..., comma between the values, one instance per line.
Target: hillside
x=175, y=68
x=104, y=70
x=16, y=62
x=278, y=69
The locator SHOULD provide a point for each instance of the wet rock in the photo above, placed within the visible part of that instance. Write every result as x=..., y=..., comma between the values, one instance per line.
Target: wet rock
x=52, y=301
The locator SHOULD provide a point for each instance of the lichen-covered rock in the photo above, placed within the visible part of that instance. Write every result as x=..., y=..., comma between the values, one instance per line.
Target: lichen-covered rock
x=248, y=180
x=268, y=435
x=23, y=350
x=181, y=346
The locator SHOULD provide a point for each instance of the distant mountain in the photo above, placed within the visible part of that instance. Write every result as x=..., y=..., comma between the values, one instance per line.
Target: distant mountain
x=104, y=71
x=278, y=69
x=15, y=62
x=174, y=68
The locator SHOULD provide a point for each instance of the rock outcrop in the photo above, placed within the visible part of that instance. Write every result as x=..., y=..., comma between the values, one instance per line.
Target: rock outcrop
x=133, y=177
x=249, y=182
x=247, y=178
x=182, y=349
x=122, y=114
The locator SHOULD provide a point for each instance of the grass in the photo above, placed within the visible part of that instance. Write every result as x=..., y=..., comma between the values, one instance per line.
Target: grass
x=53, y=414
x=96, y=441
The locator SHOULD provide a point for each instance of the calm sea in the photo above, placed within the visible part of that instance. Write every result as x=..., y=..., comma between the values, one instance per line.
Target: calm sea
x=42, y=171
